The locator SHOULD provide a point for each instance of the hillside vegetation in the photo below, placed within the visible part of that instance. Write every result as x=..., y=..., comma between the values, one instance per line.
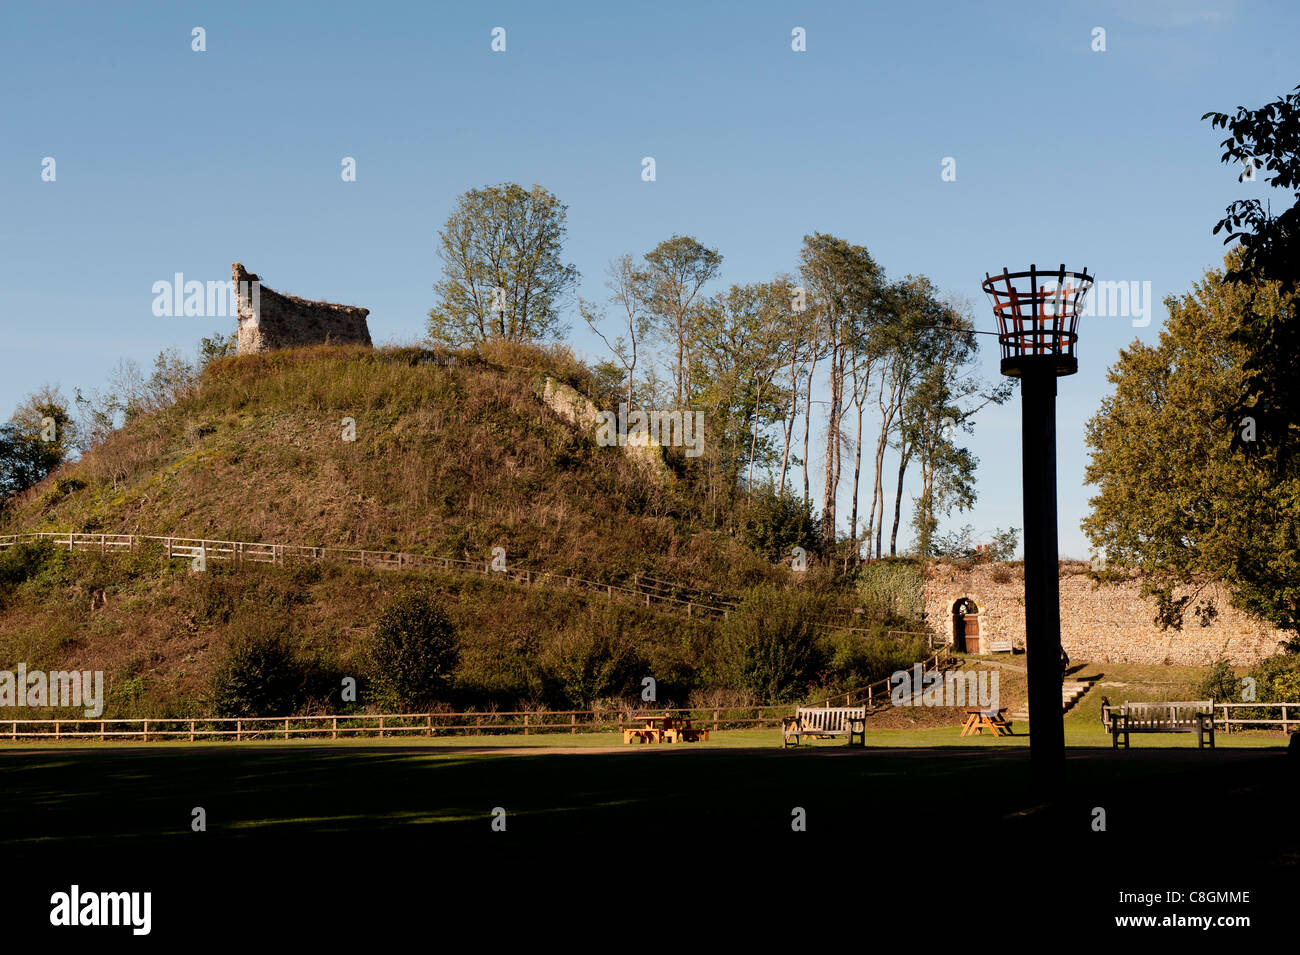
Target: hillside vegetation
x=447, y=460
x=454, y=454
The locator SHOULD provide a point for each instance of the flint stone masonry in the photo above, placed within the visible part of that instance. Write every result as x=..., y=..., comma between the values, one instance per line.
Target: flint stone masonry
x=1112, y=623
x=269, y=320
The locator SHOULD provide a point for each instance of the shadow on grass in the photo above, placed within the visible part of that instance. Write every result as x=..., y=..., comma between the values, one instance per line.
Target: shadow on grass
x=300, y=794
x=287, y=822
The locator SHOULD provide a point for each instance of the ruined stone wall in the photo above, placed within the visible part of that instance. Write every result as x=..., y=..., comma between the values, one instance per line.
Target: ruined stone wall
x=269, y=320
x=579, y=411
x=1112, y=623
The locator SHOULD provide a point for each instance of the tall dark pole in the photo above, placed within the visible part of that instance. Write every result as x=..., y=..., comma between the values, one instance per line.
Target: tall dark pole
x=1042, y=581
x=1038, y=326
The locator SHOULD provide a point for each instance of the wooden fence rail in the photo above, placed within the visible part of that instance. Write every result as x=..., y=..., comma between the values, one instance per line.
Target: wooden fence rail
x=1290, y=714
x=678, y=597
x=381, y=725
x=470, y=722
x=645, y=590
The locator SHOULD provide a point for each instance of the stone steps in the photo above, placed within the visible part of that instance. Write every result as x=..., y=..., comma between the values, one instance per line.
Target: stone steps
x=1071, y=692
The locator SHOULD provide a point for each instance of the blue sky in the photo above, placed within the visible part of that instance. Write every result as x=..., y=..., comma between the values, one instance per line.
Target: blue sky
x=171, y=161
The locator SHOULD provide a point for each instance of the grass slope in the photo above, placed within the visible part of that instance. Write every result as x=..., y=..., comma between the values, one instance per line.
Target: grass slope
x=447, y=460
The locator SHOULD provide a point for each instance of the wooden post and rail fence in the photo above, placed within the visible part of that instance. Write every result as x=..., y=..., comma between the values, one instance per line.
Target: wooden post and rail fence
x=466, y=723
x=649, y=591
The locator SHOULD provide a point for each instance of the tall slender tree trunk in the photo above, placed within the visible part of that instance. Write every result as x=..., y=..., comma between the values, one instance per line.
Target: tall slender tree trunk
x=875, y=483
x=857, y=473
x=904, y=452
x=831, y=489
x=789, y=423
x=807, y=429
x=887, y=413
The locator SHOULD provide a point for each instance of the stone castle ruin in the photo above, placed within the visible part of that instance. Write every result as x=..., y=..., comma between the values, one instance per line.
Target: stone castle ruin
x=981, y=609
x=269, y=320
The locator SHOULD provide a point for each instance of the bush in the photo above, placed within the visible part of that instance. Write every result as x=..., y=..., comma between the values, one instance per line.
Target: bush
x=595, y=661
x=413, y=652
x=1277, y=679
x=259, y=675
x=778, y=522
x=768, y=646
x=857, y=659
x=30, y=559
x=959, y=547
x=1220, y=684
x=893, y=589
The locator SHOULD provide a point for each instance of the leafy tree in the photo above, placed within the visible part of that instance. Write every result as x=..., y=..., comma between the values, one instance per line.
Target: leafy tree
x=918, y=334
x=509, y=239
x=38, y=438
x=1268, y=137
x=844, y=286
x=676, y=270
x=413, y=651
x=939, y=408
x=736, y=354
x=1174, y=499
x=798, y=351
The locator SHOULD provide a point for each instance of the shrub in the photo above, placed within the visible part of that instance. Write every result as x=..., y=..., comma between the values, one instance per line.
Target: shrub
x=258, y=675
x=768, y=646
x=595, y=661
x=1220, y=684
x=857, y=659
x=30, y=559
x=1277, y=679
x=62, y=488
x=778, y=522
x=413, y=652
x=959, y=546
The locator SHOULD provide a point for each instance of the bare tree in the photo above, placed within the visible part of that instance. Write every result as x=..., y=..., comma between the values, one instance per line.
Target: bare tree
x=627, y=287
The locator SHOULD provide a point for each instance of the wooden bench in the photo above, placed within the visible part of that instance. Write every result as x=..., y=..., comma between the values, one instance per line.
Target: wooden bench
x=1195, y=716
x=824, y=722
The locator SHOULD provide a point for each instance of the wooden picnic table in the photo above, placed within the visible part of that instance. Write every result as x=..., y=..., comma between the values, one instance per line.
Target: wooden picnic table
x=979, y=719
x=674, y=729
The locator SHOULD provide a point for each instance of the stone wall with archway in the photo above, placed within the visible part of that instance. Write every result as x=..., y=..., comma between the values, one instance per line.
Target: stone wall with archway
x=1107, y=623
x=956, y=640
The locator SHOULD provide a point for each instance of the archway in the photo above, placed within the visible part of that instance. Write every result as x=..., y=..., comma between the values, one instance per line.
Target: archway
x=966, y=636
